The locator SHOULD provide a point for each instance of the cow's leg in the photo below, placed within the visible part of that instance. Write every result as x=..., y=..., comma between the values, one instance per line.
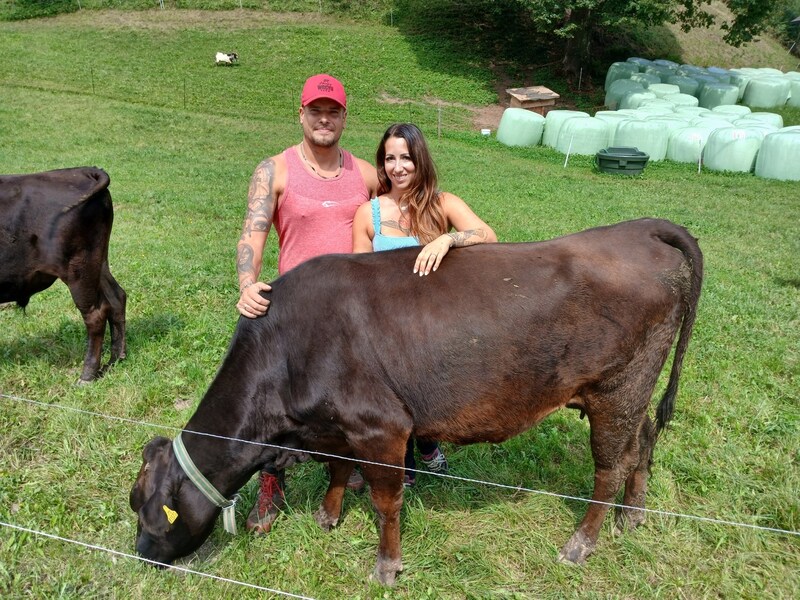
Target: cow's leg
x=117, y=299
x=615, y=448
x=636, y=484
x=386, y=486
x=327, y=515
x=621, y=437
x=85, y=290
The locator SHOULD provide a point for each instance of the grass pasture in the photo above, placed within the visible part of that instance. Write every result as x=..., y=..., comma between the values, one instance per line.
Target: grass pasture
x=105, y=89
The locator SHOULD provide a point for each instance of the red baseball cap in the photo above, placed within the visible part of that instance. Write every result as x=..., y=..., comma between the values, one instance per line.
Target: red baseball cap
x=323, y=86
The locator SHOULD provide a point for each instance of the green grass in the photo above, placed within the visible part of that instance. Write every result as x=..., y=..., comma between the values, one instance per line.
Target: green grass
x=179, y=182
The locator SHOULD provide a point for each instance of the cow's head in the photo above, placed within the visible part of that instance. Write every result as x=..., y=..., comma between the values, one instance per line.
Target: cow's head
x=174, y=517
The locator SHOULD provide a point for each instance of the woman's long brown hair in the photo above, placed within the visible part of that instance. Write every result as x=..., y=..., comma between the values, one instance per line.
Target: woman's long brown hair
x=425, y=214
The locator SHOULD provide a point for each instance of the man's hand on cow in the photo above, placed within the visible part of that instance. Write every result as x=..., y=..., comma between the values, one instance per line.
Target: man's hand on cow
x=432, y=254
x=251, y=303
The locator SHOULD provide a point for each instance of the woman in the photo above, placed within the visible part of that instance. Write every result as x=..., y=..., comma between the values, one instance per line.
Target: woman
x=411, y=210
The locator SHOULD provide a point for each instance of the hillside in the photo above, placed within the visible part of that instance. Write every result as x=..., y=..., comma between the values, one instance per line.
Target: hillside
x=705, y=47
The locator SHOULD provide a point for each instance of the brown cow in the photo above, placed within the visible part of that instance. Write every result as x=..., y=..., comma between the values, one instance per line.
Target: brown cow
x=56, y=225
x=357, y=353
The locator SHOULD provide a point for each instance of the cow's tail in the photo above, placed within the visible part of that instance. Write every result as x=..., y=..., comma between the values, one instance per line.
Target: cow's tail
x=681, y=239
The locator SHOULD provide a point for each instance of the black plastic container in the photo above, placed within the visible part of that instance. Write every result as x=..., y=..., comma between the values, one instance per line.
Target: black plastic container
x=622, y=161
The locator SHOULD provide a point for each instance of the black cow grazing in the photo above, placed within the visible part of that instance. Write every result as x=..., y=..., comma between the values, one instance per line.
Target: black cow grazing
x=56, y=225
x=357, y=353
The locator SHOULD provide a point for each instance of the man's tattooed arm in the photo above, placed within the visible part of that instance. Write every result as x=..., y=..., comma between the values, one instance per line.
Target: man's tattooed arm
x=257, y=222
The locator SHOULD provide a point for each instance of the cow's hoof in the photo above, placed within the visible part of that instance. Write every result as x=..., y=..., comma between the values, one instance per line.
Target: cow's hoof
x=386, y=571
x=324, y=520
x=577, y=549
x=628, y=519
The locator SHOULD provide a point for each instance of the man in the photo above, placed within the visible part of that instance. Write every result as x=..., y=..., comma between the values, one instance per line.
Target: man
x=310, y=192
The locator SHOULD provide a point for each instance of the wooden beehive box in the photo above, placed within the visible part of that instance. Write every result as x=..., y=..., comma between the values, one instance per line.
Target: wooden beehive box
x=536, y=98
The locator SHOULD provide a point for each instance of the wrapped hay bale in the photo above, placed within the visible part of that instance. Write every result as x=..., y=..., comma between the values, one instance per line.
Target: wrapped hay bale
x=686, y=85
x=663, y=89
x=553, y=122
x=646, y=79
x=683, y=100
x=686, y=145
x=716, y=94
x=740, y=79
x=634, y=98
x=794, y=93
x=520, y=127
x=777, y=158
x=732, y=149
x=642, y=63
x=736, y=110
x=690, y=111
x=584, y=136
x=773, y=119
x=619, y=70
x=647, y=136
x=618, y=89
x=613, y=118
x=767, y=92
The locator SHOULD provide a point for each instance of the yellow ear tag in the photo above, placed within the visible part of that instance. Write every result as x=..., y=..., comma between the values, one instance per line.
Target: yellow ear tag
x=171, y=514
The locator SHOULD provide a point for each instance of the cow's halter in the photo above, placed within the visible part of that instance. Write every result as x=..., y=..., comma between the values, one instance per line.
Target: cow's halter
x=208, y=490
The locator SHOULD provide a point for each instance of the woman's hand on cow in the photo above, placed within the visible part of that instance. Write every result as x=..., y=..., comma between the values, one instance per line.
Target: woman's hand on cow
x=432, y=254
x=251, y=303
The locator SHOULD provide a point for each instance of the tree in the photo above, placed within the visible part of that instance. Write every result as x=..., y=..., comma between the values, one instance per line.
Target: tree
x=576, y=21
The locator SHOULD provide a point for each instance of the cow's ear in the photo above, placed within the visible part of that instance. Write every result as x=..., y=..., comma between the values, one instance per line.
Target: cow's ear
x=154, y=460
x=154, y=448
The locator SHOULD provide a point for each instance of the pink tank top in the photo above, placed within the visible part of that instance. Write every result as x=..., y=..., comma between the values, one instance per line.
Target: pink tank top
x=315, y=216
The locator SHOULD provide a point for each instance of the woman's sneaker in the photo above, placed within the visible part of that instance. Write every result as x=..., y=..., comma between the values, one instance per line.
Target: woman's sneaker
x=436, y=462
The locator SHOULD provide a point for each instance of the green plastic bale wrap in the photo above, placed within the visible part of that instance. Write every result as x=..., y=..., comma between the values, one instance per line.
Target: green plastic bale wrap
x=683, y=100
x=665, y=103
x=583, y=136
x=669, y=122
x=634, y=98
x=716, y=94
x=642, y=63
x=779, y=156
x=740, y=79
x=794, y=98
x=686, y=145
x=520, y=127
x=646, y=79
x=647, y=136
x=767, y=92
x=553, y=122
x=661, y=71
x=619, y=70
x=690, y=111
x=702, y=81
x=761, y=126
x=686, y=85
x=662, y=90
x=613, y=118
x=618, y=89
x=710, y=123
x=665, y=62
x=770, y=118
x=736, y=110
x=732, y=149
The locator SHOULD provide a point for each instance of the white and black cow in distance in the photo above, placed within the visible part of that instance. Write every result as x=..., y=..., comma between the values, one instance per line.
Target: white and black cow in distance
x=497, y=339
x=57, y=225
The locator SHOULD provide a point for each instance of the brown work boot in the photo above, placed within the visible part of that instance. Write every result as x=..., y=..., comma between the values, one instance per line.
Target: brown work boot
x=268, y=504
